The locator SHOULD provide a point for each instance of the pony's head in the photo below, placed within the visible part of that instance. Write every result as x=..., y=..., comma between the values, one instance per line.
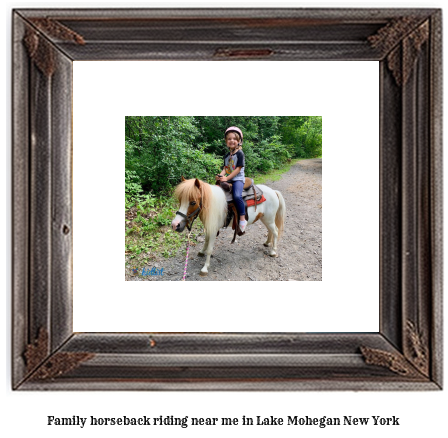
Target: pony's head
x=195, y=198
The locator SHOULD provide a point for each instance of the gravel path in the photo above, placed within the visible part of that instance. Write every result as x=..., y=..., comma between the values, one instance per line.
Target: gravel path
x=299, y=249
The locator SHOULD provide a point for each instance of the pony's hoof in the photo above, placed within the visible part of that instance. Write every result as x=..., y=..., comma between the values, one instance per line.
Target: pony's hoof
x=203, y=274
x=266, y=244
x=201, y=254
x=273, y=255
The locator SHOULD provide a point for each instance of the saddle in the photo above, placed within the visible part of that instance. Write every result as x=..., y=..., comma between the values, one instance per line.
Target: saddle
x=250, y=192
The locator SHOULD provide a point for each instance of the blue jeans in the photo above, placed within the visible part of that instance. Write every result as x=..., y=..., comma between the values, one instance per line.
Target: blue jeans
x=237, y=190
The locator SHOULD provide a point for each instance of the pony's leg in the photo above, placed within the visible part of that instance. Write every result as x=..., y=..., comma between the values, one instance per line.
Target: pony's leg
x=269, y=240
x=273, y=231
x=208, y=252
x=204, y=249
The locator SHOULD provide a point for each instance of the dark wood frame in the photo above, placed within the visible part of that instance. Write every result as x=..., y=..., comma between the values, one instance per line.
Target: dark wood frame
x=406, y=354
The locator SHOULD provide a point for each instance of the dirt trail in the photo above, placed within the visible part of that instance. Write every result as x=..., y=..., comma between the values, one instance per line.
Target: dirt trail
x=299, y=249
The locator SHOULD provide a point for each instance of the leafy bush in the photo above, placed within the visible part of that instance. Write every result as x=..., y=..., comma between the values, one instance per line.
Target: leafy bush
x=133, y=188
x=159, y=150
x=252, y=158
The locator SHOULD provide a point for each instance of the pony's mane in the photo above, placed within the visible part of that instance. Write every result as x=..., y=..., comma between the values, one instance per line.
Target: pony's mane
x=212, y=209
x=188, y=190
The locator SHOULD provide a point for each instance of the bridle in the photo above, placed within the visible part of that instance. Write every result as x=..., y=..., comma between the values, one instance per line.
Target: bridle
x=188, y=217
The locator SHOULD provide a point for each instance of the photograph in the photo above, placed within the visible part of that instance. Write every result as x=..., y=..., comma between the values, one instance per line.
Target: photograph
x=254, y=184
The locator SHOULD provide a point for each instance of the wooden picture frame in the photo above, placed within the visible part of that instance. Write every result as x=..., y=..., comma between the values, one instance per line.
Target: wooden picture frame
x=406, y=353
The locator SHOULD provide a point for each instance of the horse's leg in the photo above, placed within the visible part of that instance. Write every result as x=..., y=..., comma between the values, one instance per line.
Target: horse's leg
x=269, y=240
x=272, y=236
x=210, y=241
x=268, y=220
x=204, y=249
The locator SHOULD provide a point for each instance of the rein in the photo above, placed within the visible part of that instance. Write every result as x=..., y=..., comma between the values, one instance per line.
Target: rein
x=189, y=226
x=186, y=260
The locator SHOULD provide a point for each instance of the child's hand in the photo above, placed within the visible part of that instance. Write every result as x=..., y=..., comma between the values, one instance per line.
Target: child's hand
x=223, y=178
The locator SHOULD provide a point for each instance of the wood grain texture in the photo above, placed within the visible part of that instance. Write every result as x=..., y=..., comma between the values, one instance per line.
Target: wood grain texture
x=40, y=143
x=436, y=195
x=391, y=233
x=20, y=201
x=61, y=201
x=406, y=354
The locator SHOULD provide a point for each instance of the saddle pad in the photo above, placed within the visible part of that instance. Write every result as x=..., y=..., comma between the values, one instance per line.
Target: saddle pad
x=251, y=202
x=246, y=194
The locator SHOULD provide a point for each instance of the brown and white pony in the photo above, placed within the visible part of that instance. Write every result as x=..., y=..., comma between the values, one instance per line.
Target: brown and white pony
x=198, y=198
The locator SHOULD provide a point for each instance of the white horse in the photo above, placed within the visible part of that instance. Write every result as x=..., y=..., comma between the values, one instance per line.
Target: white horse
x=198, y=198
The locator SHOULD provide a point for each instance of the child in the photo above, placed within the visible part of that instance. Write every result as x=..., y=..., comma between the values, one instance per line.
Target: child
x=233, y=171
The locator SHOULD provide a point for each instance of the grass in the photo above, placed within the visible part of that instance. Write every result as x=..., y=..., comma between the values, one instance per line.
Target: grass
x=275, y=174
x=148, y=234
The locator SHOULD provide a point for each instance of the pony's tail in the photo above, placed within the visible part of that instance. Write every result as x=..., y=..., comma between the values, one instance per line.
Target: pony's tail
x=280, y=215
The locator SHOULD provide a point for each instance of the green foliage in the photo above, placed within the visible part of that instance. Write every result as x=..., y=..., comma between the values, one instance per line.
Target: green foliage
x=255, y=129
x=133, y=188
x=161, y=149
x=148, y=233
x=303, y=134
